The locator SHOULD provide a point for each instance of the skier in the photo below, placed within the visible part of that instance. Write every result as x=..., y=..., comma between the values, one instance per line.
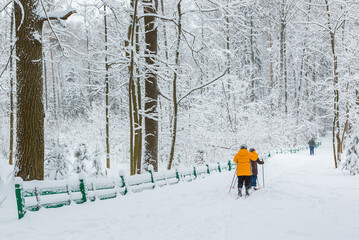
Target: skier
x=311, y=146
x=242, y=158
x=254, y=169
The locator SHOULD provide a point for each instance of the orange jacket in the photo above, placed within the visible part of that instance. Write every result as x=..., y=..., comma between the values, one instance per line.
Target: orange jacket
x=243, y=159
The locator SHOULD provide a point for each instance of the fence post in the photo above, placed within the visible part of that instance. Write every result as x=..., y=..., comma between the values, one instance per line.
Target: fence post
x=123, y=184
x=209, y=172
x=82, y=188
x=122, y=174
x=19, y=197
x=229, y=165
x=177, y=175
x=150, y=170
x=194, y=172
x=219, y=167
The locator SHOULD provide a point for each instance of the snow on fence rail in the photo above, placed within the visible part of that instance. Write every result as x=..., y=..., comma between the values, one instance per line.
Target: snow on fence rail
x=33, y=195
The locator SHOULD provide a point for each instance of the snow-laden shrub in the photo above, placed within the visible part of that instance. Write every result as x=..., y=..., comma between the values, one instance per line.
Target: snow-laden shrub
x=96, y=163
x=56, y=162
x=80, y=157
x=351, y=162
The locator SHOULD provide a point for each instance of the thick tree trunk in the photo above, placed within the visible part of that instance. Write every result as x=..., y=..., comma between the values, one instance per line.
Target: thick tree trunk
x=151, y=89
x=30, y=109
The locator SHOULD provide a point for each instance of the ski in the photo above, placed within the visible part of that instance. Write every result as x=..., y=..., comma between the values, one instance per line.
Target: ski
x=259, y=188
x=247, y=196
x=1, y=201
x=244, y=197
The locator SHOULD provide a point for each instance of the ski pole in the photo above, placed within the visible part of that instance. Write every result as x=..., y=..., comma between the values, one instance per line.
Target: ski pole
x=234, y=175
x=263, y=174
x=232, y=182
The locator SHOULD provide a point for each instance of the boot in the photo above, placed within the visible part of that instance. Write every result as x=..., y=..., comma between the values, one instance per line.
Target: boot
x=239, y=192
x=247, y=193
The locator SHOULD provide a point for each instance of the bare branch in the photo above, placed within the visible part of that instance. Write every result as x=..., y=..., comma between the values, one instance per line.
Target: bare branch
x=204, y=85
x=5, y=5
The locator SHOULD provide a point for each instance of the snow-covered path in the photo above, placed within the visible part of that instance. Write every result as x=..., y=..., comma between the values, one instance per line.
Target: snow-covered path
x=304, y=198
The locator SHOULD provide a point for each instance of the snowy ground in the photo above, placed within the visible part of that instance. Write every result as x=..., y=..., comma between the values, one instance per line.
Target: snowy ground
x=304, y=198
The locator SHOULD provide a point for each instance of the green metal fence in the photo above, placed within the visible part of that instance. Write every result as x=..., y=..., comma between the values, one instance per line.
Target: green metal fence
x=34, y=195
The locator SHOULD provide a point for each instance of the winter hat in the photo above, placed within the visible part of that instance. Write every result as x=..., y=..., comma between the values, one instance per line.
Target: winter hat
x=251, y=149
x=243, y=146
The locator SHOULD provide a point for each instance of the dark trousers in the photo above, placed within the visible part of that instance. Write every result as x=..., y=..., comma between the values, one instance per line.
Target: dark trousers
x=244, y=179
x=311, y=148
x=253, y=180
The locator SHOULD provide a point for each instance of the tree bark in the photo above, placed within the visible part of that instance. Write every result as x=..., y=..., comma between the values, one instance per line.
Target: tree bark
x=11, y=142
x=138, y=122
x=30, y=110
x=107, y=89
x=29, y=90
x=174, y=85
x=252, y=57
x=283, y=52
x=336, y=123
x=53, y=83
x=134, y=148
x=151, y=89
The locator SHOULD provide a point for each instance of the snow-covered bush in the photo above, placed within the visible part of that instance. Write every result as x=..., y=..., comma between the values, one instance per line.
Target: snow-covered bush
x=80, y=157
x=351, y=162
x=96, y=163
x=56, y=162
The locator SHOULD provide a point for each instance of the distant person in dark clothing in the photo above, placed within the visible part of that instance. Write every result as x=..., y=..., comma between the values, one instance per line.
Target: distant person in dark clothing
x=311, y=146
x=254, y=169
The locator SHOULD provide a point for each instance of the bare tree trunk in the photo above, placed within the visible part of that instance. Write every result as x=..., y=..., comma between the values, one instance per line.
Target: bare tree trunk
x=336, y=123
x=45, y=81
x=11, y=142
x=29, y=89
x=252, y=58
x=88, y=58
x=271, y=75
x=107, y=89
x=151, y=89
x=174, y=85
x=283, y=52
x=53, y=83
x=164, y=31
x=30, y=110
x=132, y=101
x=138, y=131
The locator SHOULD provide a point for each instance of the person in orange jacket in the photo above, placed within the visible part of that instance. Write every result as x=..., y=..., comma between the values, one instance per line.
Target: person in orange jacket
x=254, y=169
x=243, y=159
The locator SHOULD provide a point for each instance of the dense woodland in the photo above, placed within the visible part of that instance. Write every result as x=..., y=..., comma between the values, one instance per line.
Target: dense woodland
x=99, y=86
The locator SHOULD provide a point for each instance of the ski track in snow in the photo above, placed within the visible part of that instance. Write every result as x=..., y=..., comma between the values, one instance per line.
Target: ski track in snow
x=304, y=198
